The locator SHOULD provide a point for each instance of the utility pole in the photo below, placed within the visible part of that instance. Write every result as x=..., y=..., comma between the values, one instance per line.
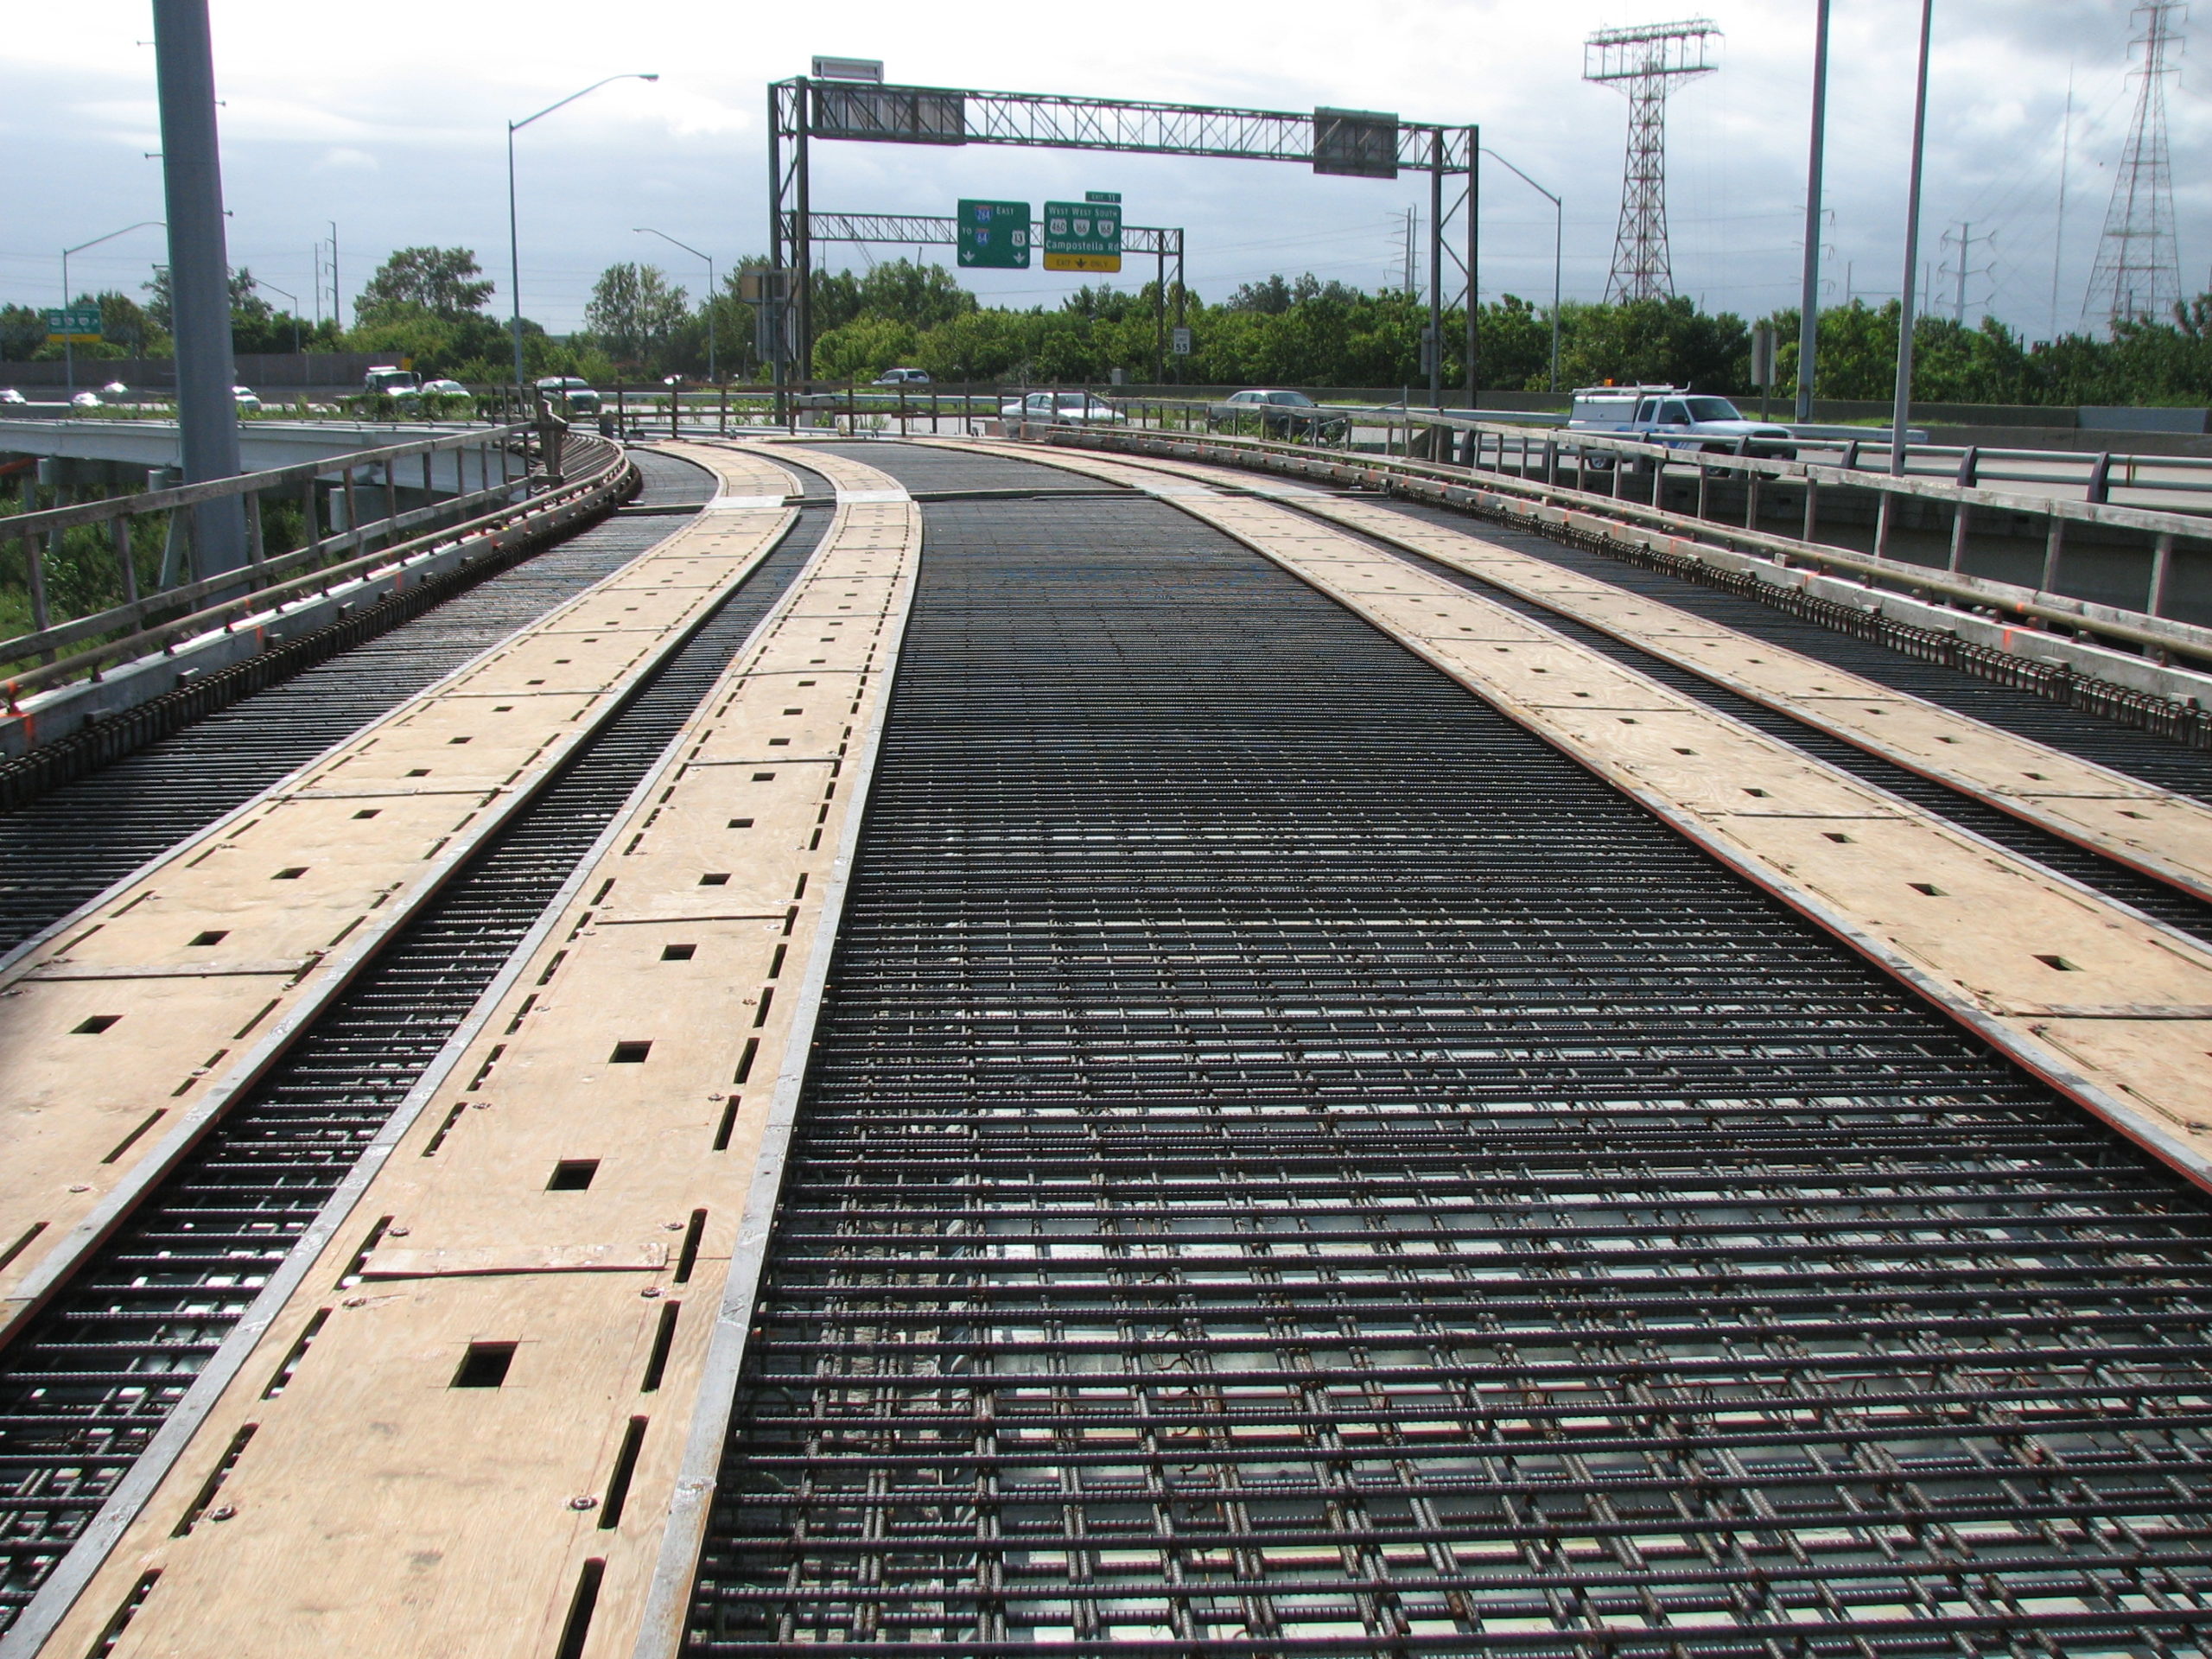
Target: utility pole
x=2065, y=162
x=1966, y=267
x=1645, y=63
x=337, y=294
x=1808, y=305
x=1901, y=402
x=200, y=285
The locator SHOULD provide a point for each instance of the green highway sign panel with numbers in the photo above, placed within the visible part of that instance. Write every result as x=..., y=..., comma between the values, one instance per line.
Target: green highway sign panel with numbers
x=77, y=324
x=1082, y=236
x=993, y=235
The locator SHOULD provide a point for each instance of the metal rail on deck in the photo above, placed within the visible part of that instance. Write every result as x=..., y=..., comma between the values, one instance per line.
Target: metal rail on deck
x=2158, y=638
x=87, y=1386
x=1291, y=1165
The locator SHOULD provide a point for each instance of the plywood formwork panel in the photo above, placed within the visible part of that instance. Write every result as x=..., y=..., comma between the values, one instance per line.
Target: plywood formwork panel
x=642, y=1036
x=312, y=874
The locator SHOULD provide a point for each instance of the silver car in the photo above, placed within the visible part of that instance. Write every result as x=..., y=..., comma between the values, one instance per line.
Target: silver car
x=1061, y=409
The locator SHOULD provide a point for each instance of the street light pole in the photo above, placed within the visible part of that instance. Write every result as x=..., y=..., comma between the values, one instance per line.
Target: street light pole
x=1902, y=409
x=294, y=298
x=1809, y=304
x=68, y=340
x=1559, y=234
x=647, y=230
x=514, y=246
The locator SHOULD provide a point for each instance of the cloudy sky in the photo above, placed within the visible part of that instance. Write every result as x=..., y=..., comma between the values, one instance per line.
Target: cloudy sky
x=389, y=121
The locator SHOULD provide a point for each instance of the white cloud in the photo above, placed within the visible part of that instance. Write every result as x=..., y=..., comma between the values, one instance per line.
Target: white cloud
x=397, y=131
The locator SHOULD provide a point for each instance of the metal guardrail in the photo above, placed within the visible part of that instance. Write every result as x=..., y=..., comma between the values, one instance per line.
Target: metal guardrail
x=2157, y=638
x=569, y=470
x=1598, y=469
x=39, y=532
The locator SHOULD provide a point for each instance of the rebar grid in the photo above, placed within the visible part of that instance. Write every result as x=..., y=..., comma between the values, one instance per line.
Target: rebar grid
x=1290, y=1164
x=85, y=1388
x=2107, y=876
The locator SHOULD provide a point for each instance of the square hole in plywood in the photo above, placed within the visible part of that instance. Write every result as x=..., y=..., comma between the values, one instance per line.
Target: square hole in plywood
x=630, y=1053
x=715, y=879
x=213, y=935
x=291, y=873
x=573, y=1175
x=94, y=1025
x=678, y=953
x=485, y=1365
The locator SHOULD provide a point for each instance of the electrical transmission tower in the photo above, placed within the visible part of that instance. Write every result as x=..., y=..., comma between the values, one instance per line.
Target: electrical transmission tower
x=1645, y=63
x=2138, y=273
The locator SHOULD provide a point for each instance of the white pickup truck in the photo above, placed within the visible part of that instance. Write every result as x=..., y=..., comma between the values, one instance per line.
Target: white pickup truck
x=1679, y=419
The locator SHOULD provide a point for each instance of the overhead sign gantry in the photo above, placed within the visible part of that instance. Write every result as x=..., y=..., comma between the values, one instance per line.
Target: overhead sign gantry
x=1354, y=144
x=988, y=239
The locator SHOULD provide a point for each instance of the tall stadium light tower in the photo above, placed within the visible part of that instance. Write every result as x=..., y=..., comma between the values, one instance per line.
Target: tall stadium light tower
x=1645, y=63
x=2138, y=272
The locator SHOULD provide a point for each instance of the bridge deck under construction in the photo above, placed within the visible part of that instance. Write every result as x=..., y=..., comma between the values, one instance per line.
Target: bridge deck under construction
x=1095, y=1053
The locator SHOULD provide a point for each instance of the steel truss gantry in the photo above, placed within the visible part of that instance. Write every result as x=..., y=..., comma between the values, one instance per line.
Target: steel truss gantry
x=1162, y=242
x=1356, y=143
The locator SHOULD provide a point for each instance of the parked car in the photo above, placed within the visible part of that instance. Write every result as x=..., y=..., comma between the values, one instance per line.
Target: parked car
x=903, y=378
x=571, y=397
x=9, y=395
x=1061, y=409
x=1281, y=413
x=247, y=403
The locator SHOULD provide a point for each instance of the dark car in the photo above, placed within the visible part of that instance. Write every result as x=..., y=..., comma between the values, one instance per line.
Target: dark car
x=1280, y=414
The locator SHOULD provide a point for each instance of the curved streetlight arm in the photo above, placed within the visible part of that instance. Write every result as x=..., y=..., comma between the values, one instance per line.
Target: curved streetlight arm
x=514, y=242
x=68, y=345
x=294, y=298
x=647, y=230
x=517, y=126
x=1519, y=175
x=1558, y=232
x=110, y=237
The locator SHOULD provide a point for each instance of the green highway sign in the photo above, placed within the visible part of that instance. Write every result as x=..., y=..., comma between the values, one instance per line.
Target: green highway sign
x=1083, y=235
x=1114, y=196
x=993, y=235
x=79, y=325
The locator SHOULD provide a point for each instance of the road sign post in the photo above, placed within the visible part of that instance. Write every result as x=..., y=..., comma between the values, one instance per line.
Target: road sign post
x=993, y=235
x=1083, y=235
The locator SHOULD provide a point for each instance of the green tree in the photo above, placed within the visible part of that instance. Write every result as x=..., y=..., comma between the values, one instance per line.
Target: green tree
x=432, y=282
x=633, y=312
